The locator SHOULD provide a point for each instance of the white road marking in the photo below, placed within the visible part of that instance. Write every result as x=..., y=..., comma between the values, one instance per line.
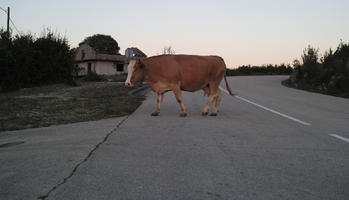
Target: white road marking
x=339, y=137
x=268, y=109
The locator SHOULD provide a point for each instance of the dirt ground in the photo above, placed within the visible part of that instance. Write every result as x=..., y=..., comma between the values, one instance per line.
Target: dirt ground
x=62, y=104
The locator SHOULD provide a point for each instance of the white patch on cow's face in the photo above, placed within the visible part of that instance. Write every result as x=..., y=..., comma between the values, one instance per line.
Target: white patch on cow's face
x=129, y=72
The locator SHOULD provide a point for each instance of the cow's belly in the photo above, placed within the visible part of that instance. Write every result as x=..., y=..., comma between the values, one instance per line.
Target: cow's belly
x=160, y=87
x=193, y=86
x=194, y=78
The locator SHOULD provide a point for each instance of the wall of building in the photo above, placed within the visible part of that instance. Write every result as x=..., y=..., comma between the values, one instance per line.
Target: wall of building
x=83, y=68
x=85, y=52
x=105, y=68
x=100, y=67
x=102, y=64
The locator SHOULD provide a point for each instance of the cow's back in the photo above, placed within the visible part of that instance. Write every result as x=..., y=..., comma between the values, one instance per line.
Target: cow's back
x=192, y=72
x=198, y=71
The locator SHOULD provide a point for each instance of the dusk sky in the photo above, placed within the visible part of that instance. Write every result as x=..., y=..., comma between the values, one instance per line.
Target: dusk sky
x=242, y=32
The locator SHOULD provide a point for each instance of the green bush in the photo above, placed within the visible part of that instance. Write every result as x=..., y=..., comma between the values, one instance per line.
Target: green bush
x=118, y=78
x=93, y=76
x=27, y=61
x=260, y=70
x=328, y=74
x=8, y=73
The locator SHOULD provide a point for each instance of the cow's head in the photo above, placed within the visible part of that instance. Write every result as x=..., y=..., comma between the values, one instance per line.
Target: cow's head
x=135, y=72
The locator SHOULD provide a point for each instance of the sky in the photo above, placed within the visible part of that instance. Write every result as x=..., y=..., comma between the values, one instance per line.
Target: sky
x=243, y=32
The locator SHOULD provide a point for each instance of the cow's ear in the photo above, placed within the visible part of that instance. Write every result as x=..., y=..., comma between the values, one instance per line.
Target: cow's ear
x=141, y=65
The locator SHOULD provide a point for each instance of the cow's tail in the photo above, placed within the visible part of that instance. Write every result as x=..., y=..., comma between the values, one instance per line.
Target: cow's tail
x=227, y=86
x=225, y=79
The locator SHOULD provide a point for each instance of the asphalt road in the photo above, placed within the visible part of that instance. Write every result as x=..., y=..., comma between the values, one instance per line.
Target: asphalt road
x=270, y=142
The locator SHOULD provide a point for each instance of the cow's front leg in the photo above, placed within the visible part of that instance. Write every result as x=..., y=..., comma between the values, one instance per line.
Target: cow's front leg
x=157, y=109
x=178, y=94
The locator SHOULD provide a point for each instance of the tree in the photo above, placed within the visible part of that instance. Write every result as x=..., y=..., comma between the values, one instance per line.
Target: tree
x=26, y=61
x=103, y=44
x=328, y=74
x=168, y=50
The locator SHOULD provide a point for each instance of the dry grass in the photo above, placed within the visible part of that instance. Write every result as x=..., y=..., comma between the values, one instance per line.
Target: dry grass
x=61, y=104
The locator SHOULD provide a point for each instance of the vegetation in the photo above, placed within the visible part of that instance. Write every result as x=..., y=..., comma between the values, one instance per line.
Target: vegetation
x=168, y=50
x=26, y=61
x=103, y=44
x=93, y=76
x=118, y=78
x=62, y=104
x=328, y=74
x=260, y=70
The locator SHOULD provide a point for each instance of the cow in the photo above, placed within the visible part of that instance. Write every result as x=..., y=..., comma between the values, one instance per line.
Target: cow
x=180, y=72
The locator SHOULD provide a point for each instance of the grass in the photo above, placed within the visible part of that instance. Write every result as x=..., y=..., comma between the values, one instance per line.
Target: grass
x=310, y=88
x=62, y=104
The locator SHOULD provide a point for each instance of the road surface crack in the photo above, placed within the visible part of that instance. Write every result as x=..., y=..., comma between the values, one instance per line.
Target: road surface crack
x=45, y=196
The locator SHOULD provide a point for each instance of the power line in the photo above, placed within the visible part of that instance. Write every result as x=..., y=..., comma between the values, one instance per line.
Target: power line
x=8, y=20
x=3, y=10
x=14, y=26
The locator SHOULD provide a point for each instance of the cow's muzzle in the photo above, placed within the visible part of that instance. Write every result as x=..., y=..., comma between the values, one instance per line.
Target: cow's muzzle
x=128, y=84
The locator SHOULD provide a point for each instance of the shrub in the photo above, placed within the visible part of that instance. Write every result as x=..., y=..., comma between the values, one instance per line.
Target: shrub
x=261, y=70
x=27, y=61
x=118, y=78
x=328, y=74
x=93, y=76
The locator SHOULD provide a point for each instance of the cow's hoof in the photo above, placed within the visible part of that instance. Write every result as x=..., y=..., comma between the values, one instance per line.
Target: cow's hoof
x=155, y=114
x=183, y=114
x=204, y=113
x=213, y=114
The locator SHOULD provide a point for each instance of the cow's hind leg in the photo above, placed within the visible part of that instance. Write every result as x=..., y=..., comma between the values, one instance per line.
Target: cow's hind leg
x=207, y=106
x=215, y=94
x=177, y=92
x=206, y=91
x=157, y=109
x=218, y=100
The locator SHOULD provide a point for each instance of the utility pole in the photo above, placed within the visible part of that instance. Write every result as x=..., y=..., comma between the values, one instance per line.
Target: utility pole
x=8, y=22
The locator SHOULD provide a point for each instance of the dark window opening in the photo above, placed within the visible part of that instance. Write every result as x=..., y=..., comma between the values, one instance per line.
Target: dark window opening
x=89, y=68
x=119, y=67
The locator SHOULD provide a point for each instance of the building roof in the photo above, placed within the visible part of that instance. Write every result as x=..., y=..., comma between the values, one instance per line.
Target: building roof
x=105, y=58
x=110, y=57
x=136, y=52
x=97, y=56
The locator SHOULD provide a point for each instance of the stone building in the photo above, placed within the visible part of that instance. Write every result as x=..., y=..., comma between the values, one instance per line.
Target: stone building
x=88, y=59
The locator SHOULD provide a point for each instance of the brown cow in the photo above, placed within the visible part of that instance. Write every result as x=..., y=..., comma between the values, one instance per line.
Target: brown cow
x=180, y=72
